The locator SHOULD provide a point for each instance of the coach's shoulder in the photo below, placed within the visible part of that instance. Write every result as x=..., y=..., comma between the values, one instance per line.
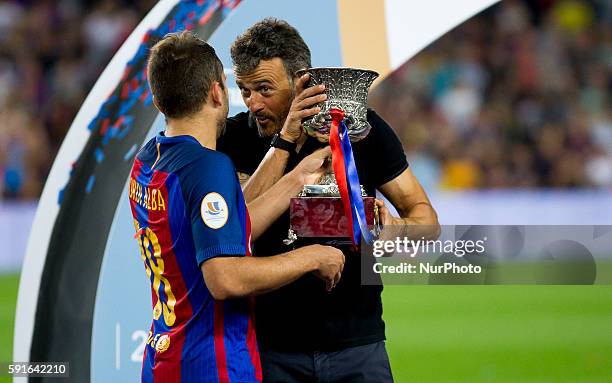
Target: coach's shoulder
x=238, y=120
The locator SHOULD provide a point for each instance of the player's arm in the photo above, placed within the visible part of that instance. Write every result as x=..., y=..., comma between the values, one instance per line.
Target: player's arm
x=234, y=277
x=409, y=198
x=266, y=209
x=269, y=171
x=272, y=167
x=218, y=228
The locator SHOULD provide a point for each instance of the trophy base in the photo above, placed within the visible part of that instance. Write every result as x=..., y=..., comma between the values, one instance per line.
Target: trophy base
x=324, y=218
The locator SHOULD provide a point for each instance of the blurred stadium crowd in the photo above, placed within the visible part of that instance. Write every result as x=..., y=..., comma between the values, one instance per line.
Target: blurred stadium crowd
x=51, y=53
x=519, y=96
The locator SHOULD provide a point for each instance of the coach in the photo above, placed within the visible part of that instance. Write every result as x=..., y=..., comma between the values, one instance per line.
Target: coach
x=304, y=332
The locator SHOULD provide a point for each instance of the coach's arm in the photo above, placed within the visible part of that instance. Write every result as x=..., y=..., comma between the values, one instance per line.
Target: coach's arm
x=411, y=202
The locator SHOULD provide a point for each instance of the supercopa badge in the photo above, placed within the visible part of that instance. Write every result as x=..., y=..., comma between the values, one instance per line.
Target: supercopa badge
x=214, y=210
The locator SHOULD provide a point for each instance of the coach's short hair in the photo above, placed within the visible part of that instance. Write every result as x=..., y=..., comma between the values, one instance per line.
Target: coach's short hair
x=267, y=39
x=181, y=69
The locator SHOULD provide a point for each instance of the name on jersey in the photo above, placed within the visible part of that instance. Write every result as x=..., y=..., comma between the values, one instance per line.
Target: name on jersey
x=149, y=198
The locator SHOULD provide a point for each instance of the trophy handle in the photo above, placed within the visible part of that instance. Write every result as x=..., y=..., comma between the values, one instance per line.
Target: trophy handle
x=377, y=225
x=291, y=237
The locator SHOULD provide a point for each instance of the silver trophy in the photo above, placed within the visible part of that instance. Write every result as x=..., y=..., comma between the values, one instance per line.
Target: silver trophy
x=347, y=90
x=317, y=211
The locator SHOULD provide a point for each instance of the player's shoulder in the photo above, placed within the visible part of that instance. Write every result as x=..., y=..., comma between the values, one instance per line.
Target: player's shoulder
x=185, y=154
x=212, y=161
x=207, y=168
x=147, y=152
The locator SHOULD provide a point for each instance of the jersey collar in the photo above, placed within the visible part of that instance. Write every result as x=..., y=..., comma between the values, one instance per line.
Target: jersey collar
x=162, y=139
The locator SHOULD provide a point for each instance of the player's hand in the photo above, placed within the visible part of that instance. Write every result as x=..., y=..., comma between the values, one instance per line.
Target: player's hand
x=311, y=168
x=330, y=264
x=303, y=106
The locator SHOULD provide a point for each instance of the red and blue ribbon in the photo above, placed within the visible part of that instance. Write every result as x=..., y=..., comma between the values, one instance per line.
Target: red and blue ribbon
x=343, y=163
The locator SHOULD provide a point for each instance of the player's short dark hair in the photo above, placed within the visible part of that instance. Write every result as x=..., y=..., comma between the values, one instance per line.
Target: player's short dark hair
x=267, y=39
x=181, y=69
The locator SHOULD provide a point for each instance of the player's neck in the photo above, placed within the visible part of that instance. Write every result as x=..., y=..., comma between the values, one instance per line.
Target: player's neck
x=200, y=126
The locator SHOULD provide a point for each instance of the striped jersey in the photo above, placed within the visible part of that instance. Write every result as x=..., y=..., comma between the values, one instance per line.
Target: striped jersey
x=188, y=207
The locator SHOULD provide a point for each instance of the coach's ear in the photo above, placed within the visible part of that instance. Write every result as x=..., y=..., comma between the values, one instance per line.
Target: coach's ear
x=217, y=94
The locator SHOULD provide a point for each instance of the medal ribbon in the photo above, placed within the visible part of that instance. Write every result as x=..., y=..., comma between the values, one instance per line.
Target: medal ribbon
x=343, y=163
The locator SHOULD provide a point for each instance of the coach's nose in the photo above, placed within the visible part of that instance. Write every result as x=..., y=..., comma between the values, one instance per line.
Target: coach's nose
x=255, y=102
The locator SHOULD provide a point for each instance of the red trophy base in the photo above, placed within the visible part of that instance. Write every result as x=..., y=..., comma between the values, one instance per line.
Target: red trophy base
x=323, y=217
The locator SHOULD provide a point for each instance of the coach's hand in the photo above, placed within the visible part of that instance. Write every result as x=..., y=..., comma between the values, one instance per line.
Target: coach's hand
x=395, y=227
x=386, y=219
x=391, y=226
x=330, y=264
x=303, y=106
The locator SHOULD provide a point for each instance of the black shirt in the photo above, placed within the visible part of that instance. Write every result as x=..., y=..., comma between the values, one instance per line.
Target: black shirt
x=303, y=316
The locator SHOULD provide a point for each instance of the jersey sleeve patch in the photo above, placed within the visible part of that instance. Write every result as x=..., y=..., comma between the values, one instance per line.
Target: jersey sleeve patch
x=214, y=210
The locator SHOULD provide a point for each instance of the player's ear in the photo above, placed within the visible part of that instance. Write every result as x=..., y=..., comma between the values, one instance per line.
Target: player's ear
x=156, y=104
x=216, y=93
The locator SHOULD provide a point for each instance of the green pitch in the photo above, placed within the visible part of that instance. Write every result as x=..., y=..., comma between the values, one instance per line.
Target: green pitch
x=9, y=284
x=472, y=333
x=499, y=333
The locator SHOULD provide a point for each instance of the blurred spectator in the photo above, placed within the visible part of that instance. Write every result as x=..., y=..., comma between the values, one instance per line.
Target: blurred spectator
x=517, y=97
x=25, y=152
x=51, y=53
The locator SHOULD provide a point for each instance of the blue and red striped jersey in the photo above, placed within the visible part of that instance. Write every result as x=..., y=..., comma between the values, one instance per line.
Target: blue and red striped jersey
x=188, y=207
